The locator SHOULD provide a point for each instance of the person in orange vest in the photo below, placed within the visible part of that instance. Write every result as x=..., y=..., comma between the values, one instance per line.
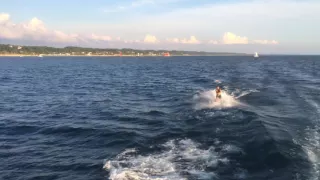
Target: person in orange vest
x=218, y=93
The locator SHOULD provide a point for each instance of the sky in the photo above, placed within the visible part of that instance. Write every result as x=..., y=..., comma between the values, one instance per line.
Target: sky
x=264, y=26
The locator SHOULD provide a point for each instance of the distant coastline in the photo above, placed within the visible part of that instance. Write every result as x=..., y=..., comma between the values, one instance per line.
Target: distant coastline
x=49, y=55
x=8, y=50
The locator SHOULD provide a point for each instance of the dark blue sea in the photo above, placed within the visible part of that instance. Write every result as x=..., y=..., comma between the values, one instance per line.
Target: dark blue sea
x=156, y=118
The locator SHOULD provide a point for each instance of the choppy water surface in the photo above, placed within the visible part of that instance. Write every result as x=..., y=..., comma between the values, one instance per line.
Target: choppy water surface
x=156, y=118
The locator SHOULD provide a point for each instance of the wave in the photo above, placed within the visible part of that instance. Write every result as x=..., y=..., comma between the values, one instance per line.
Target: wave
x=312, y=144
x=312, y=150
x=154, y=113
x=179, y=160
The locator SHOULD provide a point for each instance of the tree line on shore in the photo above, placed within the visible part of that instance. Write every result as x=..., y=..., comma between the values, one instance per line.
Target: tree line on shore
x=73, y=50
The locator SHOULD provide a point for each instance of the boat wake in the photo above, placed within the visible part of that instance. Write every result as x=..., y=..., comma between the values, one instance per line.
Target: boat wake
x=312, y=143
x=180, y=160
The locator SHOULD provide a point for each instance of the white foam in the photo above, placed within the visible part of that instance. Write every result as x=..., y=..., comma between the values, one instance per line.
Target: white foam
x=312, y=146
x=231, y=148
x=312, y=149
x=179, y=158
x=207, y=99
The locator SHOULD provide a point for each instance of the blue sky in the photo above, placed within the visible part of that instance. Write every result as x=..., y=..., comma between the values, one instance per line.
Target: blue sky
x=266, y=26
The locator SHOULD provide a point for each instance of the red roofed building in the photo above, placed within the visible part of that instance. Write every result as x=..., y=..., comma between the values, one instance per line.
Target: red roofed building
x=166, y=54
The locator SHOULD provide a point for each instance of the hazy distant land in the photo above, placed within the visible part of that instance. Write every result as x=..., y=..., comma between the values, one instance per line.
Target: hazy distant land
x=18, y=50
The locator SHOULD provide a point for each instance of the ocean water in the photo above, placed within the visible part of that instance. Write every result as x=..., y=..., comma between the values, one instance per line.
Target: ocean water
x=156, y=118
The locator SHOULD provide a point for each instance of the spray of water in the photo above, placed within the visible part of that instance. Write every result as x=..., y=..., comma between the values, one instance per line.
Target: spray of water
x=207, y=99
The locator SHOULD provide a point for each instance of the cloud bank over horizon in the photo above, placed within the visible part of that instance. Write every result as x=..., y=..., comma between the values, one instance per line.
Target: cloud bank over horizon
x=36, y=30
x=239, y=26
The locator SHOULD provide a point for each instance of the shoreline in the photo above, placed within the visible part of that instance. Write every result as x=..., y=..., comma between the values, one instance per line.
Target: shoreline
x=43, y=55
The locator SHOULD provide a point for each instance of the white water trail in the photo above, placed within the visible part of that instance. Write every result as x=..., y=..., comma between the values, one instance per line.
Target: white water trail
x=180, y=157
x=207, y=99
x=312, y=147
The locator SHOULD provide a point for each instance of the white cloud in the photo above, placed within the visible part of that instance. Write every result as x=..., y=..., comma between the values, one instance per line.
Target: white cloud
x=278, y=19
x=150, y=39
x=63, y=37
x=191, y=40
x=100, y=38
x=35, y=30
x=265, y=42
x=35, y=25
x=131, y=41
x=4, y=17
x=230, y=38
x=173, y=40
x=213, y=42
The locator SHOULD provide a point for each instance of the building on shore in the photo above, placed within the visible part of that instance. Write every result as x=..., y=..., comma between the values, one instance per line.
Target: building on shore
x=166, y=54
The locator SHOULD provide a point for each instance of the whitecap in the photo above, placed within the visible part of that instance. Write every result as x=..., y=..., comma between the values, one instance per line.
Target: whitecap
x=180, y=160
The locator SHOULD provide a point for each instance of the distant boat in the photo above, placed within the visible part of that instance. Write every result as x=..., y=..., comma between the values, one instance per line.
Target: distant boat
x=256, y=55
x=40, y=55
